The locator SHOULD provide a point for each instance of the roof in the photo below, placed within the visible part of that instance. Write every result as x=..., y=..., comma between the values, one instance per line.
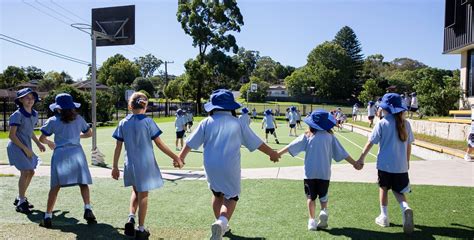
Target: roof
x=87, y=85
x=277, y=87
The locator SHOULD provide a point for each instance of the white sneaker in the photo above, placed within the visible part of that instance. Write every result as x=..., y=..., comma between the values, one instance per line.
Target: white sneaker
x=312, y=225
x=467, y=158
x=217, y=230
x=323, y=220
x=226, y=229
x=382, y=221
x=407, y=220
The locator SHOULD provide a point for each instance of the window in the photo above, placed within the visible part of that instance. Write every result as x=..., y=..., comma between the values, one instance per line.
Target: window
x=282, y=92
x=470, y=74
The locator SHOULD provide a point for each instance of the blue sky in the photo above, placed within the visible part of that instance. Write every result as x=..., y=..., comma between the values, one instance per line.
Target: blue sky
x=284, y=30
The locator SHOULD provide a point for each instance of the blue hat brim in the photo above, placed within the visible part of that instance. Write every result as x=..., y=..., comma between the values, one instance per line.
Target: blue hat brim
x=35, y=94
x=391, y=109
x=55, y=106
x=232, y=106
x=308, y=120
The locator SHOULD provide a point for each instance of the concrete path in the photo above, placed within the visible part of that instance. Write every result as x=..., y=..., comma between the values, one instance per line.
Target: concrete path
x=438, y=172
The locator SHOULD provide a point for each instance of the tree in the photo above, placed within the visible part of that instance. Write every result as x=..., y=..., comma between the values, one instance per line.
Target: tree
x=33, y=72
x=406, y=64
x=78, y=96
x=266, y=69
x=300, y=82
x=148, y=65
x=123, y=72
x=12, y=76
x=104, y=72
x=144, y=84
x=370, y=91
x=247, y=60
x=50, y=81
x=261, y=93
x=347, y=39
x=66, y=78
x=208, y=23
x=224, y=70
x=327, y=64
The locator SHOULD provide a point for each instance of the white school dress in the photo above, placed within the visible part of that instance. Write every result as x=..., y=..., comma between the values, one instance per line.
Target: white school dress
x=319, y=149
x=141, y=170
x=25, y=123
x=221, y=136
x=68, y=163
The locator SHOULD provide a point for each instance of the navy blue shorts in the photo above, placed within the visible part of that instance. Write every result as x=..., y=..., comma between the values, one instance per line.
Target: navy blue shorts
x=270, y=130
x=180, y=134
x=220, y=194
x=398, y=182
x=314, y=188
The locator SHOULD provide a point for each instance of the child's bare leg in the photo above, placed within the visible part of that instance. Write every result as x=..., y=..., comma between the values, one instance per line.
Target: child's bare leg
x=85, y=193
x=228, y=208
x=133, y=202
x=311, y=206
x=53, y=194
x=181, y=142
x=324, y=205
x=176, y=143
x=142, y=207
x=217, y=203
x=24, y=182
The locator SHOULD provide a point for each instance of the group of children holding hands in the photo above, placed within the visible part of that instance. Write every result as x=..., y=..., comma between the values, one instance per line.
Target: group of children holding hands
x=221, y=134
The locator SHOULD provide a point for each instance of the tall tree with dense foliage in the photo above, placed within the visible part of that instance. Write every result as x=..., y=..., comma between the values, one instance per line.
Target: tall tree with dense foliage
x=116, y=70
x=209, y=24
x=247, y=60
x=33, y=72
x=12, y=76
x=141, y=83
x=347, y=39
x=148, y=65
x=259, y=95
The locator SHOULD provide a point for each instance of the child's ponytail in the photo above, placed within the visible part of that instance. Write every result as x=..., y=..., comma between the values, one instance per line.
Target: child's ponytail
x=401, y=128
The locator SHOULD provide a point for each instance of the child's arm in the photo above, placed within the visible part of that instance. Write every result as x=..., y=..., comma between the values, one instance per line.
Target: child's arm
x=184, y=152
x=162, y=146
x=16, y=141
x=274, y=156
x=118, y=150
x=364, y=153
x=356, y=164
x=38, y=143
x=275, y=123
x=283, y=150
x=87, y=134
x=44, y=139
x=408, y=154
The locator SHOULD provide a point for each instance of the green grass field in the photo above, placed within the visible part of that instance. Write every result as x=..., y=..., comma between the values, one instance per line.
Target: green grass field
x=268, y=209
x=352, y=142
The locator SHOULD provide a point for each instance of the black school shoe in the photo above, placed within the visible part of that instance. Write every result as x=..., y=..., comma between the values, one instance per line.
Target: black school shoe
x=277, y=142
x=23, y=208
x=130, y=228
x=46, y=223
x=16, y=203
x=139, y=235
x=89, y=217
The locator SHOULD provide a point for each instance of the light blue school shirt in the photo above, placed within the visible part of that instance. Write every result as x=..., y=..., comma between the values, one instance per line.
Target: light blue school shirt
x=371, y=111
x=244, y=118
x=298, y=116
x=319, y=149
x=392, y=156
x=140, y=168
x=268, y=122
x=222, y=135
x=292, y=117
x=25, y=123
x=189, y=117
x=68, y=163
x=180, y=122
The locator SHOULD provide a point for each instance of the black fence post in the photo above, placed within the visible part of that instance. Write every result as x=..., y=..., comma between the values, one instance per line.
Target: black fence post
x=4, y=115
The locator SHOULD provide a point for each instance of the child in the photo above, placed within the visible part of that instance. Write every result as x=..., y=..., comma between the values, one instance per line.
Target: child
x=180, y=125
x=379, y=111
x=68, y=163
x=190, y=119
x=339, y=118
x=222, y=135
x=19, y=149
x=414, y=105
x=298, y=119
x=394, y=134
x=244, y=117
x=270, y=125
x=254, y=113
x=292, y=121
x=287, y=116
x=470, y=139
x=371, y=112
x=140, y=168
x=355, y=112
x=320, y=146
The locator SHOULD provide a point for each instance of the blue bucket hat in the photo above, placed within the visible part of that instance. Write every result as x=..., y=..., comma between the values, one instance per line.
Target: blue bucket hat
x=268, y=111
x=392, y=103
x=180, y=111
x=221, y=99
x=320, y=120
x=23, y=92
x=64, y=101
x=244, y=110
x=371, y=103
x=293, y=108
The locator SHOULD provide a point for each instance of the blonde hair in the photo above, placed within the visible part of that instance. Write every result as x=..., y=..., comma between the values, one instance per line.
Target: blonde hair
x=401, y=128
x=138, y=100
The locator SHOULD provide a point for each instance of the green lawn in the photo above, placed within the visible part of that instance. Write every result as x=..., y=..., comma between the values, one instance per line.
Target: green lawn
x=268, y=209
x=352, y=142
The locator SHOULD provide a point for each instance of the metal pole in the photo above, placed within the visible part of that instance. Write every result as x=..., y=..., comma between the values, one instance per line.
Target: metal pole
x=93, y=93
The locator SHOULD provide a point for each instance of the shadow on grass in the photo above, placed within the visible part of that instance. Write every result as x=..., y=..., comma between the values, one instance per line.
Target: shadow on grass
x=421, y=232
x=82, y=231
x=230, y=235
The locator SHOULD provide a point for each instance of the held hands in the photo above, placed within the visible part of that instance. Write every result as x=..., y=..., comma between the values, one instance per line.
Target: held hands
x=177, y=162
x=274, y=156
x=51, y=145
x=41, y=147
x=115, y=173
x=359, y=163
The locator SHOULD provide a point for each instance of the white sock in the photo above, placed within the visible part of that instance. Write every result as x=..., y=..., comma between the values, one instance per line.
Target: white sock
x=87, y=206
x=141, y=228
x=48, y=215
x=383, y=210
x=325, y=210
x=21, y=200
x=224, y=220
x=130, y=216
x=403, y=205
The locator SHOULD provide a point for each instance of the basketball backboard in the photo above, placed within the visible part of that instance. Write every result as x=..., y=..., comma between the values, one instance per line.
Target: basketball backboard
x=118, y=23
